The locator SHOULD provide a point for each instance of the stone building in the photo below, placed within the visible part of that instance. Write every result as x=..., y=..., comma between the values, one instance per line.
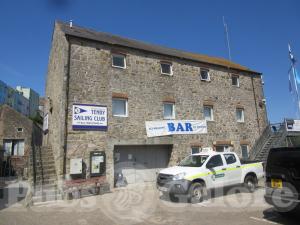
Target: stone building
x=18, y=135
x=138, y=82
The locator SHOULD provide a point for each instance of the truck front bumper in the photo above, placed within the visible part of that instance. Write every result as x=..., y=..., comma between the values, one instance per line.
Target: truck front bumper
x=179, y=187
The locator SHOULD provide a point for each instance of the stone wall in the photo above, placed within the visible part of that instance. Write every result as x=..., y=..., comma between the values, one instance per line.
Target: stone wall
x=92, y=80
x=10, y=121
x=56, y=97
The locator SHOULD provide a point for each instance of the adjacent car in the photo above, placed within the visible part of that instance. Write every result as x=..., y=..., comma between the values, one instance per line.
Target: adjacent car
x=283, y=179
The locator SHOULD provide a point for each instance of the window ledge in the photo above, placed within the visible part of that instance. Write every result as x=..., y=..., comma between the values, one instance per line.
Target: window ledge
x=122, y=116
x=167, y=74
x=119, y=67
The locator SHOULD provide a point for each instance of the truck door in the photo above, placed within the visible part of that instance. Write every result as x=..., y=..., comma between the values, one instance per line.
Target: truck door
x=217, y=169
x=233, y=169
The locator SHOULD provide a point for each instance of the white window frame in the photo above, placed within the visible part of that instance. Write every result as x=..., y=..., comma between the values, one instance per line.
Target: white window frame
x=126, y=107
x=247, y=146
x=226, y=148
x=171, y=68
x=211, y=110
x=243, y=115
x=173, y=111
x=13, y=143
x=237, y=79
x=118, y=55
x=208, y=74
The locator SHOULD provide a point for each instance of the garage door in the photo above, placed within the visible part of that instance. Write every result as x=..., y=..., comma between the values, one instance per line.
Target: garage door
x=141, y=163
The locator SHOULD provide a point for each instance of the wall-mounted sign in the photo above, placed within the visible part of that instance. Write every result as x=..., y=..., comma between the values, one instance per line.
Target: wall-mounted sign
x=97, y=163
x=89, y=117
x=45, y=123
x=170, y=127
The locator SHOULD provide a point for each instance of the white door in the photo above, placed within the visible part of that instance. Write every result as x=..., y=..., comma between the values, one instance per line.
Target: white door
x=234, y=171
x=217, y=168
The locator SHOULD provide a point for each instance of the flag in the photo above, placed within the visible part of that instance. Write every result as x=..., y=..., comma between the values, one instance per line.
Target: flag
x=293, y=62
x=292, y=58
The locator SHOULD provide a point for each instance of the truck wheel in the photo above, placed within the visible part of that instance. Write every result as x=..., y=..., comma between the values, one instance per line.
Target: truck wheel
x=173, y=198
x=196, y=192
x=250, y=183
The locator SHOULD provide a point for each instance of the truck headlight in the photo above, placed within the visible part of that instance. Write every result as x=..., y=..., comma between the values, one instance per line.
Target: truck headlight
x=179, y=176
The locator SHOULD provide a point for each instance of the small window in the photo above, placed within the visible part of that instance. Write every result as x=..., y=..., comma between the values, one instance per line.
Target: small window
x=169, y=111
x=119, y=61
x=13, y=147
x=120, y=107
x=245, y=152
x=20, y=129
x=166, y=68
x=230, y=158
x=223, y=148
x=215, y=161
x=204, y=75
x=196, y=150
x=240, y=115
x=208, y=113
x=235, y=80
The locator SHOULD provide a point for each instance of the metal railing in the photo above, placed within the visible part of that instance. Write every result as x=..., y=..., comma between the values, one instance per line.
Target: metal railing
x=270, y=130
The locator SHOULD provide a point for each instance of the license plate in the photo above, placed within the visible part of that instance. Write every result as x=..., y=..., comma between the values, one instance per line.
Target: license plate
x=164, y=189
x=276, y=183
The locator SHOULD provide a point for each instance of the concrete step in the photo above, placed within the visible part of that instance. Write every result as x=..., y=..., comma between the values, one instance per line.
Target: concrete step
x=46, y=198
x=45, y=163
x=46, y=181
x=45, y=187
x=52, y=191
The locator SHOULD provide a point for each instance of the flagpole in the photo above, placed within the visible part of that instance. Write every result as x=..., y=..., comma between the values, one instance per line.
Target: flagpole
x=227, y=38
x=297, y=93
x=295, y=80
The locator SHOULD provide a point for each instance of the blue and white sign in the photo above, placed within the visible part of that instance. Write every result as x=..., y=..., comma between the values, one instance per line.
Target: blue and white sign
x=170, y=127
x=89, y=117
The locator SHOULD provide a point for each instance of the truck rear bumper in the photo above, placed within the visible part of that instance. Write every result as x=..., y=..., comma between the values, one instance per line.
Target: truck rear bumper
x=280, y=199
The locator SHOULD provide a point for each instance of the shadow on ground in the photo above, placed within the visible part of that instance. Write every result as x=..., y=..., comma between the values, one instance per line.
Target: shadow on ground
x=215, y=193
x=273, y=216
x=10, y=195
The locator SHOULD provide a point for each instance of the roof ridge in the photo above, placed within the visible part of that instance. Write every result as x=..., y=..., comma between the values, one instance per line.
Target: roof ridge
x=89, y=33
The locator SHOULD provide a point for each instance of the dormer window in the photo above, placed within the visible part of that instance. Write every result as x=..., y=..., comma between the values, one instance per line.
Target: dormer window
x=166, y=68
x=119, y=61
x=204, y=75
x=235, y=81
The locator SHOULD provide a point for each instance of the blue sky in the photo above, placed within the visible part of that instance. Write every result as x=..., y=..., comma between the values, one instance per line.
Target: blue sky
x=259, y=32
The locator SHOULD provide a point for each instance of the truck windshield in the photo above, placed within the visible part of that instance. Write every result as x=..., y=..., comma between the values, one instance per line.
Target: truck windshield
x=193, y=160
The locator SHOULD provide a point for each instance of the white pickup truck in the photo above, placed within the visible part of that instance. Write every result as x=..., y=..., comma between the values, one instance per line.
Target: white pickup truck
x=208, y=170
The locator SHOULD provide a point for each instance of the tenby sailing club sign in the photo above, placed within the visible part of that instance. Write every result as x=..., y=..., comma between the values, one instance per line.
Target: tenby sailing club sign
x=170, y=127
x=89, y=117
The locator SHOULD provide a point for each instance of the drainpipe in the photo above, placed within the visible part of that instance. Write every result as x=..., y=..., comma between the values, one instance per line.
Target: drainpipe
x=255, y=102
x=66, y=108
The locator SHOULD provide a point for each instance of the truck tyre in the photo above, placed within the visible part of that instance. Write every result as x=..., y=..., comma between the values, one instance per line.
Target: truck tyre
x=196, y=192
x=250, y=183
x=173, y=198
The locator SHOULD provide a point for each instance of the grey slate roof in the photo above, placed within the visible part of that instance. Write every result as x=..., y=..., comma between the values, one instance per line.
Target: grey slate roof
x=85, y=33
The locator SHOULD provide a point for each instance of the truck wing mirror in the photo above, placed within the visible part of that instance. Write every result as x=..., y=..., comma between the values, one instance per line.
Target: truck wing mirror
x=210, y=165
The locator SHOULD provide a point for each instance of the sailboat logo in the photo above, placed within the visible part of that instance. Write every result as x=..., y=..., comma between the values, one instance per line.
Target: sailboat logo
x=78, y=110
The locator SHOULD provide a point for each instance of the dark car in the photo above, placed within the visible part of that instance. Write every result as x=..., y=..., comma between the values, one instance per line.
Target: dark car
x=283, y=179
